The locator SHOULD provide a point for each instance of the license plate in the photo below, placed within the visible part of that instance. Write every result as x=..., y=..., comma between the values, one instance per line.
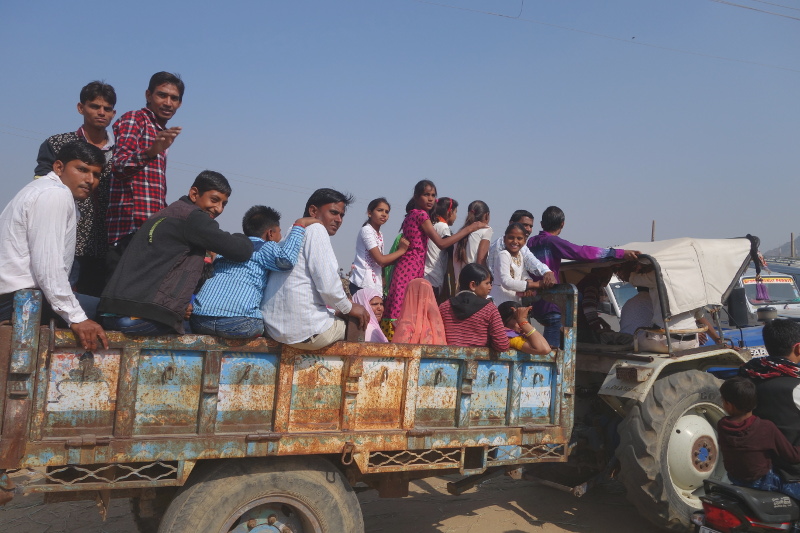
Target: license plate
x=704, y=529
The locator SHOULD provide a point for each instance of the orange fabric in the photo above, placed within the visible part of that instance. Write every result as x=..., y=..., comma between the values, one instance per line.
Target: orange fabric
x=419, y=321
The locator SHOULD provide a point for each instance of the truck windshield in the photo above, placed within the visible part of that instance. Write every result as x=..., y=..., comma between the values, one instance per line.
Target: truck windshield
x=623, y=291
x=775, y=290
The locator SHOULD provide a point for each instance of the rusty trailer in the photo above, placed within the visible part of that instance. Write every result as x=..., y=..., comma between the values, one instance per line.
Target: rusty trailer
x=176, y=421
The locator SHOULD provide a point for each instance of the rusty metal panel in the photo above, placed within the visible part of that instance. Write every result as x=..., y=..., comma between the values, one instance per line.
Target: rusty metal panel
x=5, y=359
x=126, y=397
x=380, y=393
x=490, y=390
x=410, y=393
x=209, y=393
x=81, y=392
x=537, y=392
x=246, y=392
x=437, y=393
x=168, y=392
x=316, y=393
x=27, y=314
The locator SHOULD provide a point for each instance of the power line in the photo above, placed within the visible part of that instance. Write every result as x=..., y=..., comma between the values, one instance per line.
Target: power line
x=609, y=37
x=756, y=9
x=776, y=5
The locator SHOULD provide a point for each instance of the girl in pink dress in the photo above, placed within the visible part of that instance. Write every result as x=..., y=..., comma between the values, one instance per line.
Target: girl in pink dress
x=416, y=229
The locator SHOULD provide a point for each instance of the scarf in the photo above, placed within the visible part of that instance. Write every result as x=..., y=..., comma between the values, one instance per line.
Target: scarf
x=373, y=332
x=467, y=303
x=420, y=321
x=769, y=367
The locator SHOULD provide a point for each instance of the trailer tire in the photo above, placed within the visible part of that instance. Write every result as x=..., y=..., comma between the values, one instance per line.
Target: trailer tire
x=308, y=494
x=661, y=441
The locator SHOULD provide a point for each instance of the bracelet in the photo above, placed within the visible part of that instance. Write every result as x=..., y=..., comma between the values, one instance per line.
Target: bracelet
x=523, y=322
x=529, y=333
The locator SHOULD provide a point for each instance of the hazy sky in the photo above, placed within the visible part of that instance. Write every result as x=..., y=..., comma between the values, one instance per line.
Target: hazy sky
x=619, y=112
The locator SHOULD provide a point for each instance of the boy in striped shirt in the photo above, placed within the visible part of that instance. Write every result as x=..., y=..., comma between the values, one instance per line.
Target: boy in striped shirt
x=228, y=303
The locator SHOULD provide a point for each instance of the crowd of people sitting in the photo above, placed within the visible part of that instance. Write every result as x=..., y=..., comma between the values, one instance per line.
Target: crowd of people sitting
x=95, y=234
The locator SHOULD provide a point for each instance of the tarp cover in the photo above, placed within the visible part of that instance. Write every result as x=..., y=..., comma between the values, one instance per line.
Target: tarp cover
x=696, y=272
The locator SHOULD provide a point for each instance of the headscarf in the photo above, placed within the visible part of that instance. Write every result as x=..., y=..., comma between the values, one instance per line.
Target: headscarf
x=364, y=297
x=419, y=321
x=467, y=303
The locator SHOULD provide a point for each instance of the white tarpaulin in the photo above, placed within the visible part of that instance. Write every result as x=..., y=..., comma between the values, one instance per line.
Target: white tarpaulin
x=696, y=272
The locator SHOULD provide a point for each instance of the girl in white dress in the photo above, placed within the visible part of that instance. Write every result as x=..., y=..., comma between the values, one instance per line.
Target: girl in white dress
x=367, y=269
x=509, y=277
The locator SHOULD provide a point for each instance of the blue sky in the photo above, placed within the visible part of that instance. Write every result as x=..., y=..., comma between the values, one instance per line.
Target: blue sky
x=615, y=111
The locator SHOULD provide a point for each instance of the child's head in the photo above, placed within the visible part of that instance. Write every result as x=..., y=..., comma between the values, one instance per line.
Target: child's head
x=514, y=238
x=210, y=192
x=79, y=165
x=738, y=396
x=424, y=197
x=475, y=278
x=552, y=219
x=97, y=101
x=262, y=222
x=508, y=313
x=446, y=208
x=782, y=339
x=378, y=212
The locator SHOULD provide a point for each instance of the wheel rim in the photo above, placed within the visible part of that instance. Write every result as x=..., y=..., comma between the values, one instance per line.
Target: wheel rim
x=693, y=453
x=288, y=511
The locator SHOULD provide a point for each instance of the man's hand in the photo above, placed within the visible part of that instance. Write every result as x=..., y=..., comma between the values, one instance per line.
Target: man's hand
x=631, y=254
x=548, y=280
x=164, y=140
x=87, y=333
x=188, y=313
x=306, y=222
x=359, y=311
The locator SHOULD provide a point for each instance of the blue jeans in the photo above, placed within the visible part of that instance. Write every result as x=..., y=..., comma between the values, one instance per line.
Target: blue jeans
x=136, y=326
x=552, y=326
x=236, y=327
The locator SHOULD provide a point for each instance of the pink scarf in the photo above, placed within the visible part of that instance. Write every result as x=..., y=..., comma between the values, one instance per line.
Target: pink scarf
x=373, y=332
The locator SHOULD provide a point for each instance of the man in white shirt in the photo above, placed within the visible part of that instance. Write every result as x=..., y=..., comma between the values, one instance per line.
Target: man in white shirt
x=37, y=238
x=530, y=262
x=300, y=306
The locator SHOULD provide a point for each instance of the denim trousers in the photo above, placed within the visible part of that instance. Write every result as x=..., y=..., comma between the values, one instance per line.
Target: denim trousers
x=136, y=326
x=235, y=327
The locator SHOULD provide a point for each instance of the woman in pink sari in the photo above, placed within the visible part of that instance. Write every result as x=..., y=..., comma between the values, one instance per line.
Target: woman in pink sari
x=372, y=300
x=419, y=321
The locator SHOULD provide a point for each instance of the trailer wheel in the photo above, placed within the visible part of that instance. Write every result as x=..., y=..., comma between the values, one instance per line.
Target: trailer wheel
x=303, y=494
x=668, y=446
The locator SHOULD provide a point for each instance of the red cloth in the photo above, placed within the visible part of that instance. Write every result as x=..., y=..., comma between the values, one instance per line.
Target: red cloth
x=138, y=184
x=419, y=321
x=749, y=447
x=484, y=328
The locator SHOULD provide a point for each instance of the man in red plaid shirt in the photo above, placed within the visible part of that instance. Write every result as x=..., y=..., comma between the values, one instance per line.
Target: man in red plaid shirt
x=139, y=185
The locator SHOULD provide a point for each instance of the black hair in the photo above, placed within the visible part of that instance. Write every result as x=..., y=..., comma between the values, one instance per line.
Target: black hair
x=443, y=207
x=780, y=336
x=259, y=219
x=472, y=272
x=99, y=89
x=519, y=214
x=476, y=212
x=322, y=197
x=160, y=78
x=507, y=310
x=375, y=203
x=739, y=392
x=419, y=190
x=515, y=225
x=208, y=180
x=552, y=218
x=82, y=151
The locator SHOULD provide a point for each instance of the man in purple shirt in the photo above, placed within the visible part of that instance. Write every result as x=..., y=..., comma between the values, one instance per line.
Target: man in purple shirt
x=550, y=249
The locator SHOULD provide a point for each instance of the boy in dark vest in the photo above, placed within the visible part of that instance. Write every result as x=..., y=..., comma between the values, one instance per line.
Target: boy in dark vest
x=152, y=286
x=777, y=380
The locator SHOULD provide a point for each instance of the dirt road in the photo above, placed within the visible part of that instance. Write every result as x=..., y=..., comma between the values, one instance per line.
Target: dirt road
x=498, y=506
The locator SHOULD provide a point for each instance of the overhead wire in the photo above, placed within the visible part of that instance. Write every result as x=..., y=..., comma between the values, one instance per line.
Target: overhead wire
x=756, y=9
x=776, y=5
x=609, y=37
